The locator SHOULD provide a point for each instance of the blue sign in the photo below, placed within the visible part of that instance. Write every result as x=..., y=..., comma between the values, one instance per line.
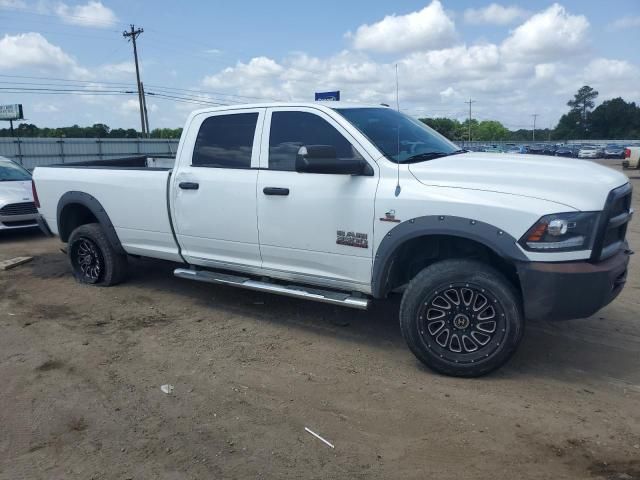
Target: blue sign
x=332, y=96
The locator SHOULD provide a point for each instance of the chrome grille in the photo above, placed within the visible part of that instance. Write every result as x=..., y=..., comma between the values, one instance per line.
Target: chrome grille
x=24, y=208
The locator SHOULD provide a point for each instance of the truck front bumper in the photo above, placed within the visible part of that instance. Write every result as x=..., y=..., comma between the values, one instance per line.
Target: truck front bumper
x=563, y=291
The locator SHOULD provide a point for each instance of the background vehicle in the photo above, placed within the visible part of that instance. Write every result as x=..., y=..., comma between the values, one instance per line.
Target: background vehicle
x=343, y=204
x=590, y=151
x=17, y=209
x=614, y=151
x=512, y=148
x=537, y=149
x=566, y=151
x=631, y=157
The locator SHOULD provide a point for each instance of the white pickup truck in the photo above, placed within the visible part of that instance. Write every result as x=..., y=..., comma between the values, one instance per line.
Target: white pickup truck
x=347, y=203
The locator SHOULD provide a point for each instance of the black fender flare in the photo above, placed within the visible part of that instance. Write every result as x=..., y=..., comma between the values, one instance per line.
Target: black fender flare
x=494, y=238
x=98, y=211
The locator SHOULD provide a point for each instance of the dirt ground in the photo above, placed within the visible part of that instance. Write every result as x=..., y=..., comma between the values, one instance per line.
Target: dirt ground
x=81, y=370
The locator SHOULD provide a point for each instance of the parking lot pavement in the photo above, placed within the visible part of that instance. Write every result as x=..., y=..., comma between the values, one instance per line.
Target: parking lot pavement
x=81, y=370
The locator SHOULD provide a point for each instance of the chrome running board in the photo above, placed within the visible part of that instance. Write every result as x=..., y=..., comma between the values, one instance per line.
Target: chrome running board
x=308, y=293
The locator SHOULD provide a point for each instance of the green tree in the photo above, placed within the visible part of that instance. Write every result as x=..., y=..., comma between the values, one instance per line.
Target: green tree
x=490, y=130
x=616, y=119
x=583, y=101
x=448, y=127
x=581, y=105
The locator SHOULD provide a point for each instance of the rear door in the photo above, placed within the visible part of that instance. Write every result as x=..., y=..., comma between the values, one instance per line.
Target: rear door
x=319, y=226
x=214, y=189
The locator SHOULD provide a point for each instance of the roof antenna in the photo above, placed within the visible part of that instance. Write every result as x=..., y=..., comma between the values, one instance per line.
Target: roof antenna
x=398, y=189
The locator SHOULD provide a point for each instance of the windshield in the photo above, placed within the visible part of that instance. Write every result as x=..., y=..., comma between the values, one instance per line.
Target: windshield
x=401, y=138
x=10, y=172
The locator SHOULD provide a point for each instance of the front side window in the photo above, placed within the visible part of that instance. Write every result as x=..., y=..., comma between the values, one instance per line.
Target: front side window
x=292, y=130
x=398, y=136
x=225, y=141
x=10, y=172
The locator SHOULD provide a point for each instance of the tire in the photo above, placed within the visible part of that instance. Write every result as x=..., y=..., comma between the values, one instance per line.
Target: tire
x=93, y=258
x=469, y=338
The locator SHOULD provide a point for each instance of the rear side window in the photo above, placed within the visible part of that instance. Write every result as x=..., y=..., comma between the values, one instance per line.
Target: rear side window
x=225, y=141
x=292, y=130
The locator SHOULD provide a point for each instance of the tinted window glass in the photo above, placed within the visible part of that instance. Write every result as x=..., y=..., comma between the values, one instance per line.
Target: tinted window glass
x=225, y=141
x=11, y=172
x=400, y=137
x=292, y=130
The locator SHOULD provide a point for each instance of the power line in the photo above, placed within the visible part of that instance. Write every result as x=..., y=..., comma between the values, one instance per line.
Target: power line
x=186, y=99
x=45, y=89
x=154, y=86
x=55, y=79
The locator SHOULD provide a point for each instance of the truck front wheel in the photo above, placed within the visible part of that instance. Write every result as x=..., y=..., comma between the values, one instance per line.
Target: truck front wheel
x=93, y=259
x=461, y=318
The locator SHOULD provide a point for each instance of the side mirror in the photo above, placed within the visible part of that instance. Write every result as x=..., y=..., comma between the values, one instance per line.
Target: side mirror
x=323, y=159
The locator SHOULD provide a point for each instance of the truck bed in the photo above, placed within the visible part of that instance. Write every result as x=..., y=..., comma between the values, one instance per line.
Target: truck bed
x=146, y=162
x=132, y=191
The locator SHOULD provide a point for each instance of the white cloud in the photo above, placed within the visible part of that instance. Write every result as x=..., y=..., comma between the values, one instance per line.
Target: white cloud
x=494, y=14
x=545, y=71
x=33, y=50
x=625, y=22
x=430, y=27
x=45, y=108
x=118, y=70
x=550, y=34
x=93, y=14
x=258, y=67
x=13, y=4
x=130, y=106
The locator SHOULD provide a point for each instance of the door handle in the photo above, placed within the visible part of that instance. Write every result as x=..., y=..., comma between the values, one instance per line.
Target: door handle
x=189, y=185
x=276, y=191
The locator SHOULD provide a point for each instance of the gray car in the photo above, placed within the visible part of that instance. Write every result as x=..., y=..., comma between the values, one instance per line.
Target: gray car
x=17, y=208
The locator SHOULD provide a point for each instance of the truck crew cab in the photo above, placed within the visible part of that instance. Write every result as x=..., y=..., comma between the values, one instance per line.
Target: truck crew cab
x=347, y=203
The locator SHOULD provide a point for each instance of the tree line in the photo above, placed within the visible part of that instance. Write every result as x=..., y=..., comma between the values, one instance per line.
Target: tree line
x=612, y=119
x=98, y=130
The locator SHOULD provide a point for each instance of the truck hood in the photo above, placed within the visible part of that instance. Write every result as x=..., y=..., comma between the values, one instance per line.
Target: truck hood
x=578, y=184
x=15, y=192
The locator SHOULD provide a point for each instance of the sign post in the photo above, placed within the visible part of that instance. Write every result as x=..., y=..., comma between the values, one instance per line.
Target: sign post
x=328, y=96
x=11, y=113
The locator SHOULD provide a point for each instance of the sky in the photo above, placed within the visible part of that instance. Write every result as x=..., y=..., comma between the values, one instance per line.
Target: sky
x=513, y=59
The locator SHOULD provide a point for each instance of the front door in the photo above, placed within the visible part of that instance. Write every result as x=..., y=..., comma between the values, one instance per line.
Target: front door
x=317, y=225
x=214, y=201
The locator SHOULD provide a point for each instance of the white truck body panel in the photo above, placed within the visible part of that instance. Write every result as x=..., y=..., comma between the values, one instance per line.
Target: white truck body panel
x=217, y=223
x=136, y=201
x=298, y=231
x=533, y=176
x=229, y=223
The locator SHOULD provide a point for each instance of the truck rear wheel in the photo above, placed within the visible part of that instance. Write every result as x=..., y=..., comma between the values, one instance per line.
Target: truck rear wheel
x=93, y=259
x=461, y=318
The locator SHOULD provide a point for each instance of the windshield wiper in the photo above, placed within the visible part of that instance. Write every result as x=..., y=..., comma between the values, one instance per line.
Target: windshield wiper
x=421, y=157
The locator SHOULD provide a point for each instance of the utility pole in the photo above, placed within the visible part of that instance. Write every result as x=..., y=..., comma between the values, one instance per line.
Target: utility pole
x=11, y=126
x=132, y=35
x=146, y=115
x=470, y=102
x=535, y=115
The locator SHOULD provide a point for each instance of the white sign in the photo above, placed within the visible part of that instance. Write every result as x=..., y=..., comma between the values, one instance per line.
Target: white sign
x=11, y=112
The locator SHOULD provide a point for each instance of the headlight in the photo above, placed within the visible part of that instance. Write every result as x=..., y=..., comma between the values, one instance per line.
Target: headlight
x=561, y=232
